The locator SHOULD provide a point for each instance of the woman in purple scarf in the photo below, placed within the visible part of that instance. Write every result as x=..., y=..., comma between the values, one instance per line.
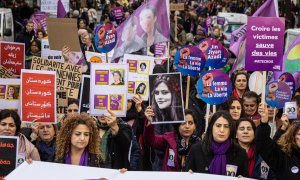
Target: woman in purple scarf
x=78, y=142
x=218, y=153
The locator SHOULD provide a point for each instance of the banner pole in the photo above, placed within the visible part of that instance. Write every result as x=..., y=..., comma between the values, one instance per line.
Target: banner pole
x=263, y=93
x=187, y=92
x=106, y=57
x=273, y=126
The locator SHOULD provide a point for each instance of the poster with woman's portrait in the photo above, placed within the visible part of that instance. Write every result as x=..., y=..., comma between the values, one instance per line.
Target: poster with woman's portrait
x=10, y=94
x=13, y=92
x=166, y=98
x=108, y=89
x=116, y=76
x=140, y=67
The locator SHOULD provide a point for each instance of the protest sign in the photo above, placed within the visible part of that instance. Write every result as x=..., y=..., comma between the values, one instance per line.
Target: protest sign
x=118, y=12
x=209, y=22
x=62, y=102
x=9, y=146
x=277, y=94
x=220, y=20
x=264, y=44
x=289, y=80
x=166, y=98
x=189, y=60
x=290, y=108
x=38, y=96
x=255, y=82
x=39, y=21
x=50, y=6
x=176, y=6
x=108, y=89
x=291, y=57
x=12, y=56
x=161, y=50
x=94, y=57
x=214, y=87
x=5, y=73
x=140, y=67
x=68, y=75
x=215, y=54
x=105, y=37
x=84, y=101
x=38, y=169
x=133, y=34
x=47, y=53
x=63, y=32
x=10, y=94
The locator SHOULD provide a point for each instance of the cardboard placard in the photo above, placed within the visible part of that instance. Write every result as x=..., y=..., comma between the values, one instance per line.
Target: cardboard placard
x=62, y=102
x=38, y=96
x=12, y=56
x=68, y=75
x=5, y=73
x=177, y=6
x=9, y=146
x=63, y=31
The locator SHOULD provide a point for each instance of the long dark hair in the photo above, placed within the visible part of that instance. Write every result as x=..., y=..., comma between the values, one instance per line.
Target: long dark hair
x=173, y=85
x=13, y=114
x=208, y=138
x=246, y=120
x=226, y=106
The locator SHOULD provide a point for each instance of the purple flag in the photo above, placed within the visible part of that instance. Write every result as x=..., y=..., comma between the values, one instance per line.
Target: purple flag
x=61, y=12
x=148, y=25
x=268, y=9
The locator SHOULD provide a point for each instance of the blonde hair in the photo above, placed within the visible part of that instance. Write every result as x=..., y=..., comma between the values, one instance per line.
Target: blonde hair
x=287, y=140
x=63, y=142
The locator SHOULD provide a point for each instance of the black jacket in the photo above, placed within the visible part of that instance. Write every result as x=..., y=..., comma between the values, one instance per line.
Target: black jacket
x=286, y=167
x=119, y=147
x=26, y=38
x=93, y=161
x=199, y=160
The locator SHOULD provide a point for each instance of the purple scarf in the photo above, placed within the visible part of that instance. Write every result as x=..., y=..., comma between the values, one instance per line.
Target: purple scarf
x=83, y=160
x=218, y=163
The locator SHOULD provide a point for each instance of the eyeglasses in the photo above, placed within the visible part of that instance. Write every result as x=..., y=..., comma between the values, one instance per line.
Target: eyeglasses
x=72, y=110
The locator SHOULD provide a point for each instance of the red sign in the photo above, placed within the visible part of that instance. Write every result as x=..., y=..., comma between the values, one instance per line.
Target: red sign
x=38, y=98
x=12, y=56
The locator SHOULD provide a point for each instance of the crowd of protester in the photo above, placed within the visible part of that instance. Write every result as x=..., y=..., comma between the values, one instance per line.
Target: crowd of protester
x=238, y=134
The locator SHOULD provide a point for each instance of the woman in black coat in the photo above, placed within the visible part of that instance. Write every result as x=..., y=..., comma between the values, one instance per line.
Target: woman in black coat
x=284, y=156
x=218, y=153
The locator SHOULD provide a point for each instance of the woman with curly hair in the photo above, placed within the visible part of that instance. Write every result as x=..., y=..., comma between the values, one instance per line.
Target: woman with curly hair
x=283, y=157
x=78, y=142
x=166, y=96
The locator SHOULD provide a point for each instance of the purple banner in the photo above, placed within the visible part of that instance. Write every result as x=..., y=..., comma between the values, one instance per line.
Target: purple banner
x=2, y=91
x=264, y=46
x=105, y=37
x=277, y=94
x=101, y=102
x=220, y=20
x=118, y=12
x=208, y=21
x=131, y=87
x=102, y=77
x=148, y=25
x=39, y=21
x=132, y=65
x=116, y=102
x=160, y=49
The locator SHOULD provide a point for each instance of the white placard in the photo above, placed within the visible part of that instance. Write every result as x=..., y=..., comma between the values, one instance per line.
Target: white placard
x=140, y=67
x=47, y=53
x=50, y=6
x=10, y=94
x=108, y=89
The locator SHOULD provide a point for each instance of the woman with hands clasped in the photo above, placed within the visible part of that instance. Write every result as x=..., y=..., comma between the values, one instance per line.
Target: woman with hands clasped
x=283, y=157
x=176, y=144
